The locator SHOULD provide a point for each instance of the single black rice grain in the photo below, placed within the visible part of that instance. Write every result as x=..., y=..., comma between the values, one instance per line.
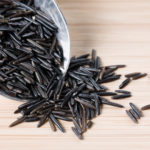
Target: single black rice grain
x=146, y=107
x=107, y=102
x=122, y=96
x=131, y=116
x=136, y=109
x=125, y=83
x=107, y=93
x=18, y=121
x=123, y=91
x=130, y=75
x=139, y=76
x=134, y=113
x=77, y=133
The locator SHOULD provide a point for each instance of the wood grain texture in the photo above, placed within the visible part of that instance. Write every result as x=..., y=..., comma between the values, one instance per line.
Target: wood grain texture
x=120, y=31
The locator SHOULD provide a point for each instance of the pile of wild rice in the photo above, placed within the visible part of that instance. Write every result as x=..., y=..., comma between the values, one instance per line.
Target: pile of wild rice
x=29, y=51
x=78, y=97
x=30, y=60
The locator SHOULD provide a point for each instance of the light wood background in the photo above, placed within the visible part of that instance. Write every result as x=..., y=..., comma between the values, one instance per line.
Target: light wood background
x=120, y=32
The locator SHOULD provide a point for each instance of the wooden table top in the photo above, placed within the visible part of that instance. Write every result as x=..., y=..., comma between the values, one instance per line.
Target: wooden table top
x=120, y=32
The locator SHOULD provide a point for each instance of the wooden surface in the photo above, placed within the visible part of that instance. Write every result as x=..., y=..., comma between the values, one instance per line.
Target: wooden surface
x=120, y=31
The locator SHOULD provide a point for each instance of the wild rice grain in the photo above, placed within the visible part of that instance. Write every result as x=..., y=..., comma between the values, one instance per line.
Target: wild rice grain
x=134, y=113
x=146, y=107
x=125, y=83
x=77, y=133
x=123, y=91
x=122, y=96
x=136, y=109
x=130, y=75
x=139, y=76
x=131, y=116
